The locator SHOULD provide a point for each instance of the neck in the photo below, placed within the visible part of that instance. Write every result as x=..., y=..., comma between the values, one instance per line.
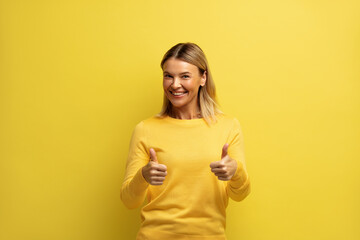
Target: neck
x=186, y=113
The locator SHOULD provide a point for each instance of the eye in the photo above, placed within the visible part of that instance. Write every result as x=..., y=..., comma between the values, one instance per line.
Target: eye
x=186, y=76
x=167, y=76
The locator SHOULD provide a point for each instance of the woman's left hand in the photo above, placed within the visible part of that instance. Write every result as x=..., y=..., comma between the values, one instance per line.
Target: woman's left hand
x=226, y=167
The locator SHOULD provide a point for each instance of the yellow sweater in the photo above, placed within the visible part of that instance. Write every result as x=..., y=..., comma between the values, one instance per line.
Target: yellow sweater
x=191, y=203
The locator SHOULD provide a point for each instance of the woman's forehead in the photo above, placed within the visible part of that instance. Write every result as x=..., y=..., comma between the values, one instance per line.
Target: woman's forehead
x=177, y=66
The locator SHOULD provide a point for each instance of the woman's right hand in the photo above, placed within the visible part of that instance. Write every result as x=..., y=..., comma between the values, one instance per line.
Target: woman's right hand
x=154, y=173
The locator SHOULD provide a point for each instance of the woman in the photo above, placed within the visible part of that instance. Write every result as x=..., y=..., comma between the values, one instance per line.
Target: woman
x=187, y=160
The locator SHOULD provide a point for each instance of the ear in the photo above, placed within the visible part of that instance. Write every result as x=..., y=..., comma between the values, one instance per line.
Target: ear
x=203, y=79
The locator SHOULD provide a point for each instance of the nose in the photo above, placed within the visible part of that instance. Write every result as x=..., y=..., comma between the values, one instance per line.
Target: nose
x=176, y=83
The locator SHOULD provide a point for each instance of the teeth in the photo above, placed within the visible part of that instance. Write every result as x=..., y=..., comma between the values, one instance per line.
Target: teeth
x=177, y=94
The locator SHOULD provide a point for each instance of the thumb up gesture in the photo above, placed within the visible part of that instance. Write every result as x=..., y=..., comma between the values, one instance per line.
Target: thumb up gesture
x=226, y=167
x=154, y=173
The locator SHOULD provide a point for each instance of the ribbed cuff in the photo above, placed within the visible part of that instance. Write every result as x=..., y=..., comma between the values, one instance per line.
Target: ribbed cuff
x=139, y=182
x=240, y=176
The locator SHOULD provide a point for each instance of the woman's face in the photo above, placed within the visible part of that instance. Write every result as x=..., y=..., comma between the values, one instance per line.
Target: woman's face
x=181, y=82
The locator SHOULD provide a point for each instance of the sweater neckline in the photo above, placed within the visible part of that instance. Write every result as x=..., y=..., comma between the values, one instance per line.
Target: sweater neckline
x=184, y=121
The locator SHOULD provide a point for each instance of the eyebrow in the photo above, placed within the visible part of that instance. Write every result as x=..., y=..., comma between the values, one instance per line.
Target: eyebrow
x=180, y=73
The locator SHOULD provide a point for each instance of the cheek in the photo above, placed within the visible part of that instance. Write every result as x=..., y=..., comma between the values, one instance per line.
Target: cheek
x=191, y=86
x=166, y=84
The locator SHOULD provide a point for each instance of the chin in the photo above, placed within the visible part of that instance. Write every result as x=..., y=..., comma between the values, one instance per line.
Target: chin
x=176, y=104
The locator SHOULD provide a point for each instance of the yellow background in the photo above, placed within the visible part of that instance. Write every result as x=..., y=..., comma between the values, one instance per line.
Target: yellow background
x=76, y=76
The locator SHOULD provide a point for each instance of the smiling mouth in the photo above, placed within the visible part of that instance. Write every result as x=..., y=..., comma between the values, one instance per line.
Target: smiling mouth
x=178, y=93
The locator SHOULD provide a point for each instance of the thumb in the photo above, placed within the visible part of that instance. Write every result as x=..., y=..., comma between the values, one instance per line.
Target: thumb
x=224, y=150
x=153, y=156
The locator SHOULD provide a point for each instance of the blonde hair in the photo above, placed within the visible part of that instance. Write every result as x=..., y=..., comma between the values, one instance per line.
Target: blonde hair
x=193, y=54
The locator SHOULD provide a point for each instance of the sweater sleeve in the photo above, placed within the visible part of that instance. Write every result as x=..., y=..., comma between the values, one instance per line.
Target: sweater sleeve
x=134, y=187
x=238, y=187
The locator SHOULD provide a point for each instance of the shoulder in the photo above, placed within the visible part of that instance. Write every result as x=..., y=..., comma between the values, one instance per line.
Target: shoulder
x=148, y=122
x=152, y=120
x=228, y=119
x=230, y=123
